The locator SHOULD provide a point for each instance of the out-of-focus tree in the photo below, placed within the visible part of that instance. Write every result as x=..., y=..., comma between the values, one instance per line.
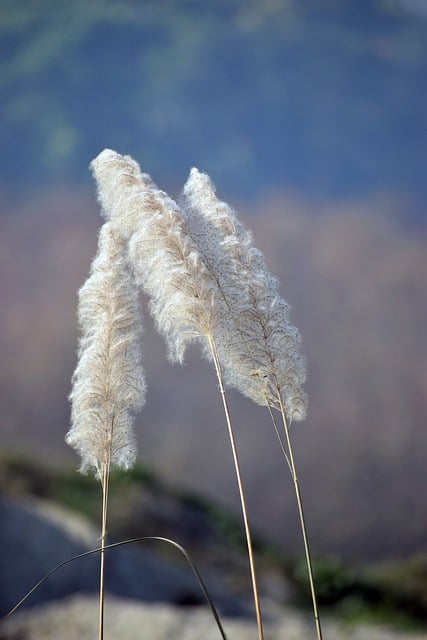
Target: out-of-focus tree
x=358, y=286
x=329, y=99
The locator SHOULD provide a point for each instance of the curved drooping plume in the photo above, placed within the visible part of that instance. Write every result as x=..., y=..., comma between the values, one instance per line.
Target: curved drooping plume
x=257, y=345
x=108, y=385
x=165, y=260
x=205, y=280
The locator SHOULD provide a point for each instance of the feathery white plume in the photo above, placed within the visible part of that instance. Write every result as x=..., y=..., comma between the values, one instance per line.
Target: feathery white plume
x=257, y=345
x=165, y=261
x=205, y=279
x=207, y=282
x=108, y=383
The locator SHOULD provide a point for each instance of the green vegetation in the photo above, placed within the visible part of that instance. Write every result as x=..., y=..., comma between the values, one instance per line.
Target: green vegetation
x=393, y=593
x=24, y=476
x=388, y=594
x=226, y=526
x=81, y=493
x=255, y=93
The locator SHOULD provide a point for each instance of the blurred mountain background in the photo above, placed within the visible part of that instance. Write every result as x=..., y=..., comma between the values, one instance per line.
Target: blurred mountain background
x=311, y=118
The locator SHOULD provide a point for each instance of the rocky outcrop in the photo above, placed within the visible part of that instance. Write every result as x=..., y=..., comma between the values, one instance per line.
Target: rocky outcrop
x=35, y=536
x=77, y=617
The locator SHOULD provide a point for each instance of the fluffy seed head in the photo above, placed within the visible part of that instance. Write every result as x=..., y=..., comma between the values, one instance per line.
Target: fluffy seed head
x=108, y=385
x=166, y=262
x=257, y=345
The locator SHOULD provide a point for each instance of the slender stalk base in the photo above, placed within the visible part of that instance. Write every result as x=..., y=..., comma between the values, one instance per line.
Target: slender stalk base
x=291, y=462
x=241, y=492
x=105, y=486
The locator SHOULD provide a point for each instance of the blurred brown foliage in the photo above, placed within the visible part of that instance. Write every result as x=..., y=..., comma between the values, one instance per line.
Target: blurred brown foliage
x=357, y=281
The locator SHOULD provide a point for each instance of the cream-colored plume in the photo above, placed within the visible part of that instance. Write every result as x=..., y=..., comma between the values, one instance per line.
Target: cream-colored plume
x=206, y=281
x=108, y=383
x=257, y=345
x=165, y=260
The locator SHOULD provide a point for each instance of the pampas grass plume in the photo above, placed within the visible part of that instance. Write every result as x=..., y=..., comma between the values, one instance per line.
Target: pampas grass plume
x=166, y=262
x=108, y=385
x=206, y=282
x=258, y=346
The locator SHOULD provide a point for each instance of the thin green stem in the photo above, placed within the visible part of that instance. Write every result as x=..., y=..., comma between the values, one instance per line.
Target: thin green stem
x=291, y=461
x=279, y=437
x=241, y=490
x=115, y=545
x=105, y=488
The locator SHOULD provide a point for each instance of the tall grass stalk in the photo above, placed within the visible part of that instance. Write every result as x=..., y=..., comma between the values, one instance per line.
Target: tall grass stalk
x=287, y=452
x=208, y=283
x=259, y=346
x=105, y=491
x=295, y=480
x=108, y=385
x=186, y=300
x=241, y=492
x=117, y=545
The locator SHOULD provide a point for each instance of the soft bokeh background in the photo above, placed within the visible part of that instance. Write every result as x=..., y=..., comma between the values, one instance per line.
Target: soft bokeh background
x=311, y=118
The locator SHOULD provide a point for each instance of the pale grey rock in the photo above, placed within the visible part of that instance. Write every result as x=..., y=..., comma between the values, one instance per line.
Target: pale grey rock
x=143, y=591
x=77, y=617
x=35, y=536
